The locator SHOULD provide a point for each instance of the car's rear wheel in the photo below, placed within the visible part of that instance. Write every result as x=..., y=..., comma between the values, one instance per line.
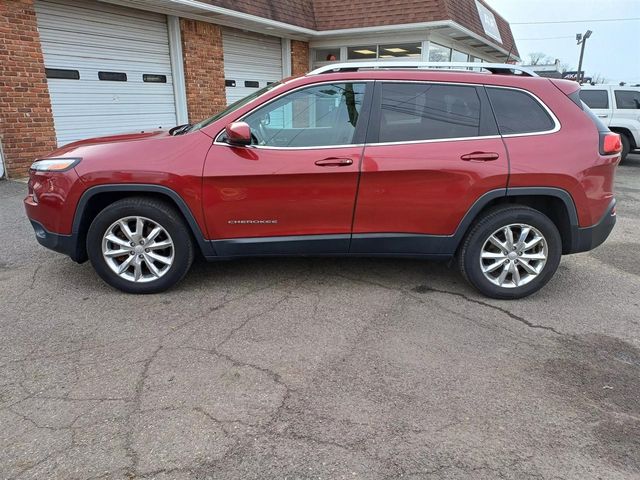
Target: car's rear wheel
x=511, y=252
x=140, y=245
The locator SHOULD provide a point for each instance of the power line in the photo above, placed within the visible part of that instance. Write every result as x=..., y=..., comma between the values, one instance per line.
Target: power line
x=593, y=20
x=546, y=38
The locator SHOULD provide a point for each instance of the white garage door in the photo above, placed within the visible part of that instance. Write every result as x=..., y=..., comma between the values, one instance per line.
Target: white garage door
x=108, y=68
x=251, y=61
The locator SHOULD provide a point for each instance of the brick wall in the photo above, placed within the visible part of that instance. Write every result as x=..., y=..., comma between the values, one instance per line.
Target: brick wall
x=299, y=57
x=203, y=68
x=26, y=121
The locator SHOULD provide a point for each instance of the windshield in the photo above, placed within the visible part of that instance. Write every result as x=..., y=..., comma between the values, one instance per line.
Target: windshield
x=234, y=106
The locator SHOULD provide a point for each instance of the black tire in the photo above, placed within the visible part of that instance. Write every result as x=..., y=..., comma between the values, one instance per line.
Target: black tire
x=626, y=147
x=469, y=254
x=157, y=211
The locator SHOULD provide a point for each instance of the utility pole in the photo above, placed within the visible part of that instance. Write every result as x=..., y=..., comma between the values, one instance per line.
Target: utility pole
x=582, y=40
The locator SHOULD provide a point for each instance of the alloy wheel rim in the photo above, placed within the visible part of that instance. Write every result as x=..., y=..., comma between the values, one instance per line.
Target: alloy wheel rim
x=138, y=249
x=514, y=255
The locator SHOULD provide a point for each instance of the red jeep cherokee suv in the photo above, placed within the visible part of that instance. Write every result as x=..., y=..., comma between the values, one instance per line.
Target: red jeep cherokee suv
x=502, y=170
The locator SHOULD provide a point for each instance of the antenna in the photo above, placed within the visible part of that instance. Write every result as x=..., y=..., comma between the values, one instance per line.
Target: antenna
x=510, y=51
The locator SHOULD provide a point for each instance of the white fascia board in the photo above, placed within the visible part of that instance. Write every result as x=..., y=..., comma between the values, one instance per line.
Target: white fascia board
x=243, y=16
x=171, y=7
x=480, y=38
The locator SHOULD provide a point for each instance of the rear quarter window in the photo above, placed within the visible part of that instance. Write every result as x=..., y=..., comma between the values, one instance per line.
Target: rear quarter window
x=595, y=98
x=517, y=112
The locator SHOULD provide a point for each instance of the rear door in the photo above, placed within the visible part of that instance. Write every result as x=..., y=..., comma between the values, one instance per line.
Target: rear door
x=599, y=101
x=433, y=149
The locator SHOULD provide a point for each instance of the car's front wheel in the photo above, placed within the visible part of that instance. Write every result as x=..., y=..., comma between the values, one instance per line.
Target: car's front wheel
x=511, y=252
x=140, y=245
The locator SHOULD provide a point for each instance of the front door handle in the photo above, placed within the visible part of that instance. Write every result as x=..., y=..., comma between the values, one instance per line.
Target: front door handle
x=480, y=156
x=334, y=162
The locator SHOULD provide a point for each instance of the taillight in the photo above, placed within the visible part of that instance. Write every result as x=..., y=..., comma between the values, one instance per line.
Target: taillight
x=610, y=143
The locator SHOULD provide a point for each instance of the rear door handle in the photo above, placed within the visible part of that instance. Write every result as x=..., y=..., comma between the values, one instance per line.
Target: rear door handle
x=480, y=156
x=334, y=162
x=602, y=115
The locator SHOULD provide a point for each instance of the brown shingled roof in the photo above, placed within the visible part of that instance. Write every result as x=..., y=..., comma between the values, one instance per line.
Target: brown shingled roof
x=340, y=14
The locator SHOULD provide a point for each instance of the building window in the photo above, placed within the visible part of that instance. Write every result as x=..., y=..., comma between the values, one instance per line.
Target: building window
x=112, y=76
x=400, y=50
x=458, y=56
x=327, y=54
x=369, y=52
x=63, y=74
x=152, y=78
x=438, y=53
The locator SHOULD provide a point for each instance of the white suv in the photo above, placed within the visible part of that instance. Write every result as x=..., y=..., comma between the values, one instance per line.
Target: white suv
x=619, y=109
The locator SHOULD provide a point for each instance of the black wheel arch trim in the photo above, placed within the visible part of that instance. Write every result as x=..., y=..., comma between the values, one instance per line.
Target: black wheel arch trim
x=374, y=243
x=205, y=246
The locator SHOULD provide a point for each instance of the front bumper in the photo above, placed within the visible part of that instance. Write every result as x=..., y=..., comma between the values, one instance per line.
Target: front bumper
x=588, y=238
x=66, y=244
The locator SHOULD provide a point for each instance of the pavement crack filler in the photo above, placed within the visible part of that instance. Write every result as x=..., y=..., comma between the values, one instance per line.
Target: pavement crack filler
x=513, y=316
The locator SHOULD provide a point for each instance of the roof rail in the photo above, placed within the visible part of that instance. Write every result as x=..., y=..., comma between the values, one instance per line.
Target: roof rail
x=495, y=68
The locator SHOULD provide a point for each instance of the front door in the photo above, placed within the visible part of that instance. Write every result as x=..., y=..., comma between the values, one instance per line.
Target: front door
x=293, y=190
x=433, y=150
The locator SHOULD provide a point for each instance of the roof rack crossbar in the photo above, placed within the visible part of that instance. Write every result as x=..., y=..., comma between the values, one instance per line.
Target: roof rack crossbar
x=495, y=68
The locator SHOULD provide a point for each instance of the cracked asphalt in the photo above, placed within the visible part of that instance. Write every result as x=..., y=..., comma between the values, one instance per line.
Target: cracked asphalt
x=320, y=368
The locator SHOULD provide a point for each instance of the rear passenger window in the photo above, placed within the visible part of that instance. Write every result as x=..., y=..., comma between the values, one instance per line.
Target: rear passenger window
x=518, y=112
x=628, y=99
x=595, y=98
x=418, y=111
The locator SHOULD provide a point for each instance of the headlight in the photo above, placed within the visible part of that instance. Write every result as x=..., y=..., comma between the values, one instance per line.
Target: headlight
x=55, y=164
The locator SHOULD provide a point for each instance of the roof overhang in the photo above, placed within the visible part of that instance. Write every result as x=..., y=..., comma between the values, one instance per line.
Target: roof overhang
x=198, y=10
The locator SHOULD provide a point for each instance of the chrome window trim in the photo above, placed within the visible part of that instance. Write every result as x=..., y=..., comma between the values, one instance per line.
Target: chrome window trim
x=556, y=122
x=310, y=85
x=435, y=140
x=555, y=129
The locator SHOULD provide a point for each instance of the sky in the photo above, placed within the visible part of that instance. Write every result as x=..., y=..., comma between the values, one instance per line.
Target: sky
x=613, y=50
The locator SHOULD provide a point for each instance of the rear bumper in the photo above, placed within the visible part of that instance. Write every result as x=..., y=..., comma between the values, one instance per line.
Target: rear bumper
x=585, y=239
x=66, y=244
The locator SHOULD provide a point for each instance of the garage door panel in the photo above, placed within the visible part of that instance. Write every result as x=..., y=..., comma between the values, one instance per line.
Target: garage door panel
x=110, y=127
x=94, y=65
x=94, y=46
x=118, y=109
x=92, y=37
x=101, y=12
x=96, y=91
x=250, y=57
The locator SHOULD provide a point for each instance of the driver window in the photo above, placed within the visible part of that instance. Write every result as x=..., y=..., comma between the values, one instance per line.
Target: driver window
x=322, y=115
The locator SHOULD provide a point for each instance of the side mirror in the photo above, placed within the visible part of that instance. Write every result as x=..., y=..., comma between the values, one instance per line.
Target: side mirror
x=238, y=134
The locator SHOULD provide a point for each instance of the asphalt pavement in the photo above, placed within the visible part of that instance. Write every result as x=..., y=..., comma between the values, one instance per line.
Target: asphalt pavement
x=320, y=368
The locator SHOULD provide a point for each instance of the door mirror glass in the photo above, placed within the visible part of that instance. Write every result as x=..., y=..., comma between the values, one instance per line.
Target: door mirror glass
x=238, y=133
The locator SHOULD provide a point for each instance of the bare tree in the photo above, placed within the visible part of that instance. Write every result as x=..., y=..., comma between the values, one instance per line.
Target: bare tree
x=598, y=78
x=539, y=58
